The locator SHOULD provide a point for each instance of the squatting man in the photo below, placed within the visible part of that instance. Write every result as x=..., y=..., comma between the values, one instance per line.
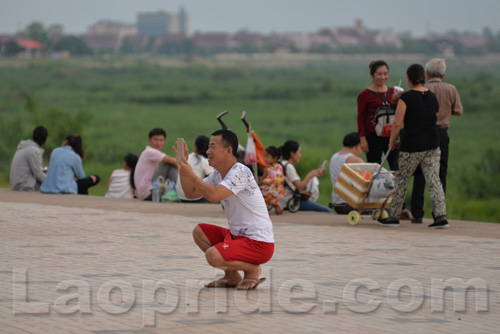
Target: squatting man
x=249, y=241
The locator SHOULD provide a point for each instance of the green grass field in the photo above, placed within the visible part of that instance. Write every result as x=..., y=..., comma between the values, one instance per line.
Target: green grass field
x=114, y=104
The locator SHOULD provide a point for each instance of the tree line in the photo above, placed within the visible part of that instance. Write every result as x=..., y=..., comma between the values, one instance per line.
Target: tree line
x=77, y=46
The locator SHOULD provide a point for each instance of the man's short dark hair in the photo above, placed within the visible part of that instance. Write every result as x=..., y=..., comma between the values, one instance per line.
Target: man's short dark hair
x=40, y=135
x=351, y=140
x=157, y=132
x=229, y=138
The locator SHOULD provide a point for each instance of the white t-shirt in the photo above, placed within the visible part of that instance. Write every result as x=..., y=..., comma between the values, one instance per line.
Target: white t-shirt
x=336, y=163
x=200, y=167
x=291, y=176
x=119, y=185
x=246, y=209
x=146, y=167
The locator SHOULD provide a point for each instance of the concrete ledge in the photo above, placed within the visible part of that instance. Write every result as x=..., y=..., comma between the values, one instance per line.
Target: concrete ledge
x=464, y=228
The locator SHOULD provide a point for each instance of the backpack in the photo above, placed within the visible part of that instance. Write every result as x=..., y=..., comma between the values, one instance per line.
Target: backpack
x=384, y=116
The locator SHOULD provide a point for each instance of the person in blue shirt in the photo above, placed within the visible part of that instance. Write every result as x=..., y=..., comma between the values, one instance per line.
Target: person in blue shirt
x=65, y=174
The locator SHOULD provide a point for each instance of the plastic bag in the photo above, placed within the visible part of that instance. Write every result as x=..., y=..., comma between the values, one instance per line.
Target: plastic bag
x=312, y=189
x=170, y=194
x=250, y=155
x=383, y=185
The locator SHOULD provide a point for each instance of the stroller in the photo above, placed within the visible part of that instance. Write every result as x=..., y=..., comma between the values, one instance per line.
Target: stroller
x=256, y=163
x=259, y=165
x=293, y=204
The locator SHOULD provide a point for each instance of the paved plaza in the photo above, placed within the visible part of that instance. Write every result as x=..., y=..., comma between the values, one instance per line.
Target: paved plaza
x=84, y=264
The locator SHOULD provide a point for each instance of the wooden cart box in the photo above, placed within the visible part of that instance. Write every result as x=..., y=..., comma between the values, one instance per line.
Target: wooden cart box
x=352, y=187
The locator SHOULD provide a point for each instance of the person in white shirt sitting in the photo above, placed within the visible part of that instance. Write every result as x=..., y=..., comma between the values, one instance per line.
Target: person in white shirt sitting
x=121, y=181
x=199, y=163
x=349, y=154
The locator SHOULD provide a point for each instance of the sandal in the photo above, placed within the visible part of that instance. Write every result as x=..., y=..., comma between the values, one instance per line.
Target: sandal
x=246, y=282
x=219, y=284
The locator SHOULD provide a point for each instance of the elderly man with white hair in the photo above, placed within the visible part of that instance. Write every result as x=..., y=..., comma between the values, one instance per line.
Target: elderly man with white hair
x=449, y=105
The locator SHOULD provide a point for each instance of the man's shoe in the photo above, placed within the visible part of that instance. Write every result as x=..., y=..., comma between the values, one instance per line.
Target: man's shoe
x=440, y=224
x=389, y=221
x=416, y=220
x=405, y=215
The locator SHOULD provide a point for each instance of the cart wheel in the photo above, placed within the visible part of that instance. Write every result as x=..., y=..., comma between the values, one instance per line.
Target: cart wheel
x=376, y=215
x=293, y=205
x=354, y=217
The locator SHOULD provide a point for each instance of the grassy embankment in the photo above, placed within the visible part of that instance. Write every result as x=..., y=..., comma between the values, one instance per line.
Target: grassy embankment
x=313, y=103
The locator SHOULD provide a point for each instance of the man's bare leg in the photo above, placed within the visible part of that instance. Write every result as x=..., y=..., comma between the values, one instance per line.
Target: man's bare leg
x=201, y=239
x=251, y=271
x=231, y=277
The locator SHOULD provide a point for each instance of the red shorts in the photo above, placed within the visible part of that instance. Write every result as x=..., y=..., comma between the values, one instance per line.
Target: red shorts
x=238, y=248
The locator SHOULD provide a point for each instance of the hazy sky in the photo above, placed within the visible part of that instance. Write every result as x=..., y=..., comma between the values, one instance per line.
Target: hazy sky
x=266, y=16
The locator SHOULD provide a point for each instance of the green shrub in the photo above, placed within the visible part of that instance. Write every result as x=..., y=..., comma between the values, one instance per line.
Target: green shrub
x=484, y=182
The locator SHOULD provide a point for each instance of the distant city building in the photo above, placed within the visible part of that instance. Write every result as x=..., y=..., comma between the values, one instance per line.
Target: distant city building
x=19, y=46
x=108, y=35
x=55, y=32
x=170, y=39
x=163, y=22
x=103, y=42
x=183, y=21
x=135, y=44
x=245, y=38
x=167, y=33
x=30, y=44
x=359, y=36
x=112, y=27
x=212, y=40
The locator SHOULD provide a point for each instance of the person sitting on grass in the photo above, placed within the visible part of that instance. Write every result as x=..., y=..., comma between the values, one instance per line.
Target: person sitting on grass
x=198, y=160
x=249, y=241
x=26, y=169
x=349, y=154
x=146, y=170
x=292, y=153
x=65, y=174
x=121, y=181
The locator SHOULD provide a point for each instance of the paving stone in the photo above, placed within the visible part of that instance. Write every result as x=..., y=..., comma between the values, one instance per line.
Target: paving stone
x=85, y=270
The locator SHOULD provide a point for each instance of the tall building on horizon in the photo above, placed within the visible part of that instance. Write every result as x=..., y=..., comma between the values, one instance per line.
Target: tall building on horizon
x=163, y=22
x=183, y=21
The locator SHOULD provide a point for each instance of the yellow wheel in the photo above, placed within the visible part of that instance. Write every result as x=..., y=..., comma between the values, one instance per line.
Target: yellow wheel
x=354, y=217
x=379, y=212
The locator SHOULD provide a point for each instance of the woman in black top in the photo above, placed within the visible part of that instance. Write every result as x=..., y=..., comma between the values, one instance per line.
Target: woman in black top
x=417, y=109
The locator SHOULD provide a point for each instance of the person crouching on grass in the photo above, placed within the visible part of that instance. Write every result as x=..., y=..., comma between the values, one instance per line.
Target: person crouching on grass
x=249, y=241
